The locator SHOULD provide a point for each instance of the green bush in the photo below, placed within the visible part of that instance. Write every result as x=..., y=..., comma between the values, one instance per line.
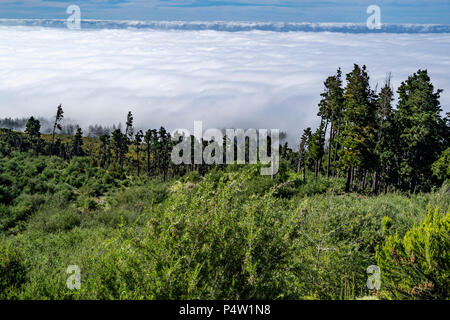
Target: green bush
x=4, y=150
x=25, y=206
x=12, y=270
x=200, y=244
x=54, y=220
x=418, y=264
x=62, y=196
x=220, y=240
x=7, y=190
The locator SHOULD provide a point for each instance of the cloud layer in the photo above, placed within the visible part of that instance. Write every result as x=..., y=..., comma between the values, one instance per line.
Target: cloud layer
x=243, y=79
x=231, y=26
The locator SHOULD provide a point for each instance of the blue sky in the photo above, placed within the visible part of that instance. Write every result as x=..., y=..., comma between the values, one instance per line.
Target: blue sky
x=393, y=11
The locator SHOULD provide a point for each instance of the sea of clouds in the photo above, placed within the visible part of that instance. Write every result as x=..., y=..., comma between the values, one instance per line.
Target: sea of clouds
x=233, y=26
x=257, y=79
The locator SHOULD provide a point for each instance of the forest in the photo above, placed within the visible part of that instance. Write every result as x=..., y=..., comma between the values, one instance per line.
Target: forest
x=368, y=187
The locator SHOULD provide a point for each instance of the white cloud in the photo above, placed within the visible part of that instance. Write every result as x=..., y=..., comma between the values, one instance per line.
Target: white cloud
x=227, y=79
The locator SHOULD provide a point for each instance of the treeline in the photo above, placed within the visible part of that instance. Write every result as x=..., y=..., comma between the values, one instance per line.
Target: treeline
x=68, y=127
x=375, y=146
x=18, y=124
x=121, y=152
x=361, y=137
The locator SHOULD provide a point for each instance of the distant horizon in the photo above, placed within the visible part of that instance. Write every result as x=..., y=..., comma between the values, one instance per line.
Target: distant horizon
x=392, y=11
x=232, y=26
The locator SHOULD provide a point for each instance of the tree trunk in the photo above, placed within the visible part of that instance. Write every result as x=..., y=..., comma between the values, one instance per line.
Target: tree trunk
x=148, y=160
x=299, y=160
x=53, y=142
x=336, y=147
x=329, y=150
x=352, y=178
x=375, y=181
x=348, y=182
x=138, y=164
x=364, y=179
x=316, y=170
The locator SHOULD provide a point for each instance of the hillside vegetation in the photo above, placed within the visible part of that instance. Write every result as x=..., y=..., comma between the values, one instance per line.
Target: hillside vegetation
x=231, y=234
x=361, y=210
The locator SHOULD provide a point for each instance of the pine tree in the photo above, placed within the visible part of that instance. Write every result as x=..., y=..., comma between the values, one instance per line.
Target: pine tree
x=32, y=129
x=151, y=139
x=330, y=109
x=387, y=138
x=147, y=141
x=163, y=147
x=316, y=148
x=357, y=157
x=57, y=125
x=137, y=144
x=303, y=151
x=129, y=131
x=105, y=149
x=422, y=131
x=120, y=146
x=77, y=143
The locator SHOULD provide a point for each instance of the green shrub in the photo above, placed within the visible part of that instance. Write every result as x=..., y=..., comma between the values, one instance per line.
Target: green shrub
x=200, y=244
x=4, y=150
x=62, y=196
x=7, y=192
x=193, y=176
x=418, y=264
x=12, y=270
x=54, y=220
x=25, y=206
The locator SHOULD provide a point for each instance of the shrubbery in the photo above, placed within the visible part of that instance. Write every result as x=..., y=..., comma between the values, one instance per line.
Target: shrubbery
x=12, y=270
x=417, y=265
x=231, y=234
x=199, y=244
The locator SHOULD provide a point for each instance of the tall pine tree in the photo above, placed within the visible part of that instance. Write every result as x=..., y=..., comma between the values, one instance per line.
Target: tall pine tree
x=422, y=131
x=359, y=128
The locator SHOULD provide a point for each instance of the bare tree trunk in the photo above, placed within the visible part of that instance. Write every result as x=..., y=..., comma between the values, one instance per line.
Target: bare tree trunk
x=352, y=178
x=364, y=180
x=375, y=181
